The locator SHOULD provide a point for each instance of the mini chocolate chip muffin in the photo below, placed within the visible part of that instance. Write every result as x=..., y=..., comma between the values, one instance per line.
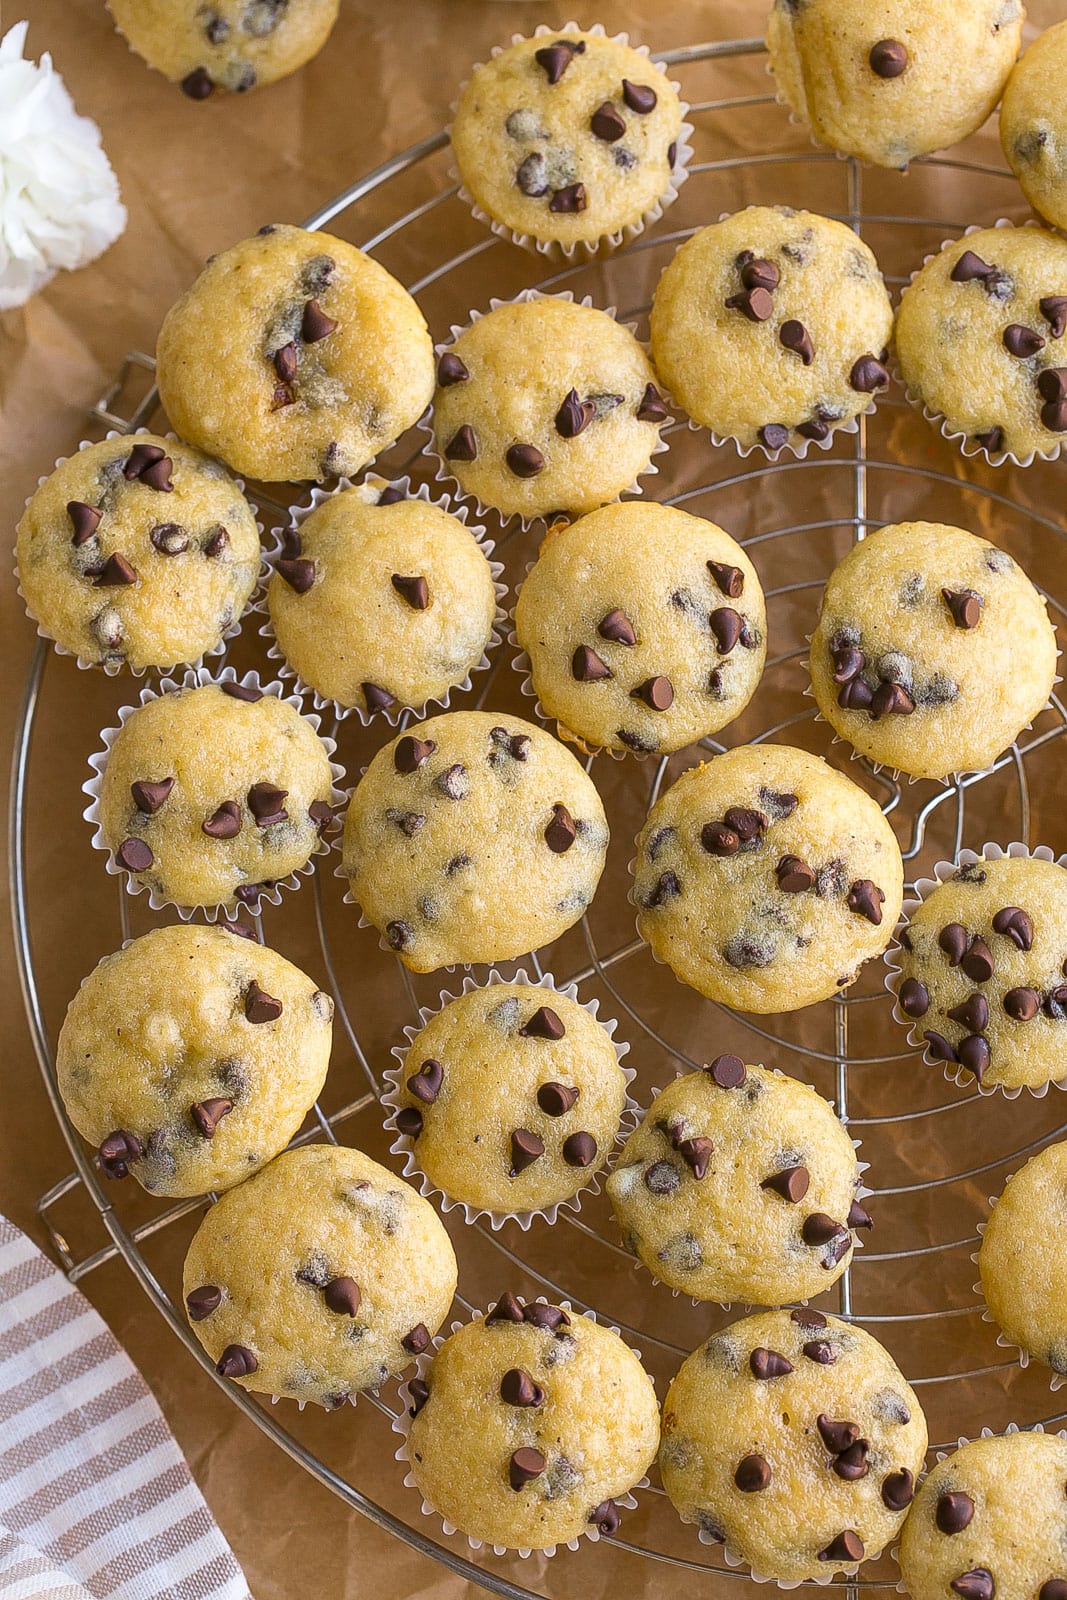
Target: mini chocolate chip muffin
x=794, y=1439
x=294, y=355
x=568, y=138
x=765, y=879
x=1033, y=124
x=991, y=1520
x=740, y=1184
x=138, y=552
x=933, y=650
x=645, y=627
x=543, y=404
x=472, y=839
x=982, y=980
x=226, y=44
x=979, y=339
x=212, y=793
x=323, y=1275
x=528, y=1424
x=770, y=328
x=190, y=1058
x=511, y=1097
x=381, y=601
x=1022, y=1260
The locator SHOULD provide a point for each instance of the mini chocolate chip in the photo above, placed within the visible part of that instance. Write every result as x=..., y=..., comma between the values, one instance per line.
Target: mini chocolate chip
x=525, y=1464
x=556, y=58
x=696, y=1153
x=758, y=273
x=1055, y=1003
x=965, y=606
x=764, y=1363
x=727, y=1071
x=607, y=123
x=650, y=407
x=197, y=84
x=377, y=698
x=992, y=440
x=561, y=832
x=953, y=941
x=1016, y=925
x=973, y=1053
x=200, y=1303
x=977, y=963
x=517, y=1388
x=848, y=662
x=668, y=887
x=462, y=446
x=450, y=370
x=410, y=753
x=756, y=304
x=544, y=1024
x=898, y=1490
x=1053, y=1589
x=134, y=855
x=532, y=175
x=852, y=1464
x=579, y=1150
x=1022, y=1004
x=657, y=693
x=285, y=362
x=662, y=1177
x=891, y=700
x=888, y=58
x=316, y=324
x=261, y=1006
x=525, y=460
x=971, y=268
x=241, y=691
x=1053, y=308
x=804, y=1317
x=774, y=435
x=640, y=97
x=149, y=796
x=556, y=1098
x=419, y=1391
x=821, y=1352
x=84, y=519
x=977, y=1584
x=939, y=1045
x=1052, y=384
x=954, y=1512
x=1054, y=416
x=865, y=899
x=794, y=875
x=282, y=395
x=972, y=1013
x=813, y=430
x=605, y=1517
x=567, y=201
x=574, y=415
x=425, y=1084
x=116, y=573
x=819, y=1229
x=298, y=572
x=207, y=1114
x=719, y=840
x=729, y=580
x=752, y=1474
x=725, y=624
x=225, y=823
x=836, y=1436
x=117, y=1150
x=847, y=1547
x=416, y=591
x=409, y=1122
x=791, y=1183
x=617, y=627
x=793, y=335
x=1021, y=341
x=342, y=1296
x=540, y=1315
x=588, y=667
x=417, y=1340
x=236, y=1361
x=868, y=374
x=216, y=542
x=526, y=1148
x=856, y=696
x=265, y=804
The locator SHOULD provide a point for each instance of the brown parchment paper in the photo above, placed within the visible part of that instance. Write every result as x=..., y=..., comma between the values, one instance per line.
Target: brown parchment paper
x=195, y=178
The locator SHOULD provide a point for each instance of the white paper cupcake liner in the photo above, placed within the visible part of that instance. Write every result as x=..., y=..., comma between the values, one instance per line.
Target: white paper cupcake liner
x=943, y=870
x=402, y=1426
x=968, y=445
x=584, y=249
x=369, y=490
x=444, y=473
x=1022, y=1356
x=197, y=678
x=407, y=1147
x=114, y=668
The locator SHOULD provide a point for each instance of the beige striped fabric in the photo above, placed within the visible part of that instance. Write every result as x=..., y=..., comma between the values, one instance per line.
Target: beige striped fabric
x=95, y=1496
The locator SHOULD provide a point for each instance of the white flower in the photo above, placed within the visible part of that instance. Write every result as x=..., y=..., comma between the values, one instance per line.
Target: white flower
x=59, y=199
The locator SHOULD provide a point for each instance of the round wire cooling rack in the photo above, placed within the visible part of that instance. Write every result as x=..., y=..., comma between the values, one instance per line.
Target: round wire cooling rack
x=935, y=1151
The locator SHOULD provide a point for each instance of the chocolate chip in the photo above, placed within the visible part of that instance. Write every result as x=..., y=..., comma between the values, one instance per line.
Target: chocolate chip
x=148, y=797
x=1022, y=1004
x=236, y=1361
x=725, y=624
x=973, y=1053
x=1056, y=1003
x=605, y=1518
x=409, y=1122
x=207, y=1114
x=282, y=395
x=914, y=998
x=261, y=1006
x=462, y=446
x=856, y=696
x=764, y=1363
x=965, y=606
x=1021, y=341
x=804, y=1317
x=752, y=1474
x=727, y=1071
x=197, y=84
x=1054, y=416
x=544, y=1024
x=1013, y=922
x=813, y=430
x=216, y=542
x=416, y=591
x=774, y=435
x=977, y=1584
x=992, y=440
x=953, y=941
x=410, y=753
x=561, y=832
x=579, y=1150
x=972, y=1013
x=819, y=1229
x=940, y=1048
x=316, y=324
x=758, y=273
x=286, y=362
x=117, y=1150
x=417, y=1340
x=837, y=1436
x=794, y=875
x=607, y=123
x=865, y=899
x=650, y=407
x=556, y=58
x=719, y=840
x=657, y=693
x=617, y=627
x=567, y=201
x=425, y=1084
x=116, y=573
x=526, y=1464
x=525, y=460
x=791, y=1183
x=640, y=97
x=532, y=175
x=574, y=416
x=225, y=823
x=868, y=374
x=450, y=370
x=1054, y=310
x=377, y=698
x=662, y=1177
x=729, y=580
x=134, y=855
x=667, y=888
x=83, y=519
x=971, y=268
x=1052, y=384
x=847, y=1547
x=954, y=1512
x=888, y=58
x=898, y=1490
x=526, y=1148
x=544, y=1316
x=298, y=572
x=200, y=1303
x=891, y=700
x=793, y=335
x=852, y=1464
x=1053, y=1589
x=821, y=1352
x=756, y=304
x=978, y=961
x=419, y=1391
x=556, y=1098
x=342, y=1296
x=241, y=691
x=696, y=1153
x=517, y=1388
x=265, y=804
x=515, y=745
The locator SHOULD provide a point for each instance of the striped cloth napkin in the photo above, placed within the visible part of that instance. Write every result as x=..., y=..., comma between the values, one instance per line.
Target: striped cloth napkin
x=95, y=1496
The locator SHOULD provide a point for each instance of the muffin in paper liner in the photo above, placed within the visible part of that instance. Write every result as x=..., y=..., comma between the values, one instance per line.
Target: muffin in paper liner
x=444, y=473
x=114, y=668
x=968, y=445
x=270, y=892
x=370, y=488
x=955, y=1072
x=402, y=1425
x=1057, y=1380
x=407, y=1147
x=581, y=250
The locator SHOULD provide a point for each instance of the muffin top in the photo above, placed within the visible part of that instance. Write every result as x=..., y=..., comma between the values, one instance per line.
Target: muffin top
x=228, y=44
